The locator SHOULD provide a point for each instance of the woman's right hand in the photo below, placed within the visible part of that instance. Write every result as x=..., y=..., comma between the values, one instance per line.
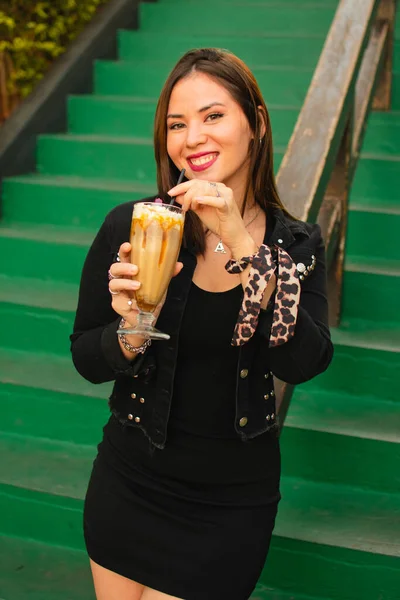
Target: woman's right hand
x=123, y=285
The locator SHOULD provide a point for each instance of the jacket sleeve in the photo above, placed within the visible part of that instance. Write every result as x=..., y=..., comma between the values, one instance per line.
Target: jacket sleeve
x=95, y=349
x=309, y=352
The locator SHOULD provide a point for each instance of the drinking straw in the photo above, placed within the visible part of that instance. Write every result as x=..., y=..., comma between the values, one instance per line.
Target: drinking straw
x=180, y=178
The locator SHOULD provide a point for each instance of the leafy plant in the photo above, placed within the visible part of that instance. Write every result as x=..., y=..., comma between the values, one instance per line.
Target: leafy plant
x=32, y=35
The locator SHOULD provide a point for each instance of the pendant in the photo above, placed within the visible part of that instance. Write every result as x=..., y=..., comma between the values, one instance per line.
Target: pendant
x=220, y=248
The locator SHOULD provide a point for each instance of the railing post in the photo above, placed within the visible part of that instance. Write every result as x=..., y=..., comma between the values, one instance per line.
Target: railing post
x=337, y=196
x=382, y=98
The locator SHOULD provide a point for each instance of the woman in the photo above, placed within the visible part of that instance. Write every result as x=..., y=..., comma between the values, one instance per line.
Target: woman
x=184, y=490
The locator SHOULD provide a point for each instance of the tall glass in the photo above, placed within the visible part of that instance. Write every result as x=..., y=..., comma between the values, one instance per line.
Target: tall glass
x=156, y=236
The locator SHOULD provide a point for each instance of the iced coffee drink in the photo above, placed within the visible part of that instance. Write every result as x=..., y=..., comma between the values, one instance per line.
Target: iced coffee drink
x=156, y=236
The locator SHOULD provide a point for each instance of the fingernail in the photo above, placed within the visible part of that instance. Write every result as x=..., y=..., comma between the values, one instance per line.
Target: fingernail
x=135, y=285
x=133, y=269
x=199, y=198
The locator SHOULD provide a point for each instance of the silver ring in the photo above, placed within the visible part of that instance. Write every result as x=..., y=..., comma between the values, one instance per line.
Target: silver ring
x=214, y=185
x=111, y=276
x=113, y=293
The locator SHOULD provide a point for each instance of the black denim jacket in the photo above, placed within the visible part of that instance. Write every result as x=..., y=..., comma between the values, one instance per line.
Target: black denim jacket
x=142, y=392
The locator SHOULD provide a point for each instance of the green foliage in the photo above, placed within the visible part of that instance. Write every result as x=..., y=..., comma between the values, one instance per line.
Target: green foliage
x=34, y=33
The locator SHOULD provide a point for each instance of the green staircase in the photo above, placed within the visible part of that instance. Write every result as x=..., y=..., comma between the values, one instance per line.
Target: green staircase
x=337, y=536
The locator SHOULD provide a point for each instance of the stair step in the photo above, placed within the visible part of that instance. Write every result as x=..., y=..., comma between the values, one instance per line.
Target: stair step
x=42, y=294
x=46, y=372
x=55, y=253
x=43, y=572
x=104, y=115
x=379, y=227
x=45, y=465
x=101, y=156
x=333, y=572
x=261, y=20
x=47, y=309
x=42, y=517
x=75, y=202
x=396, y=89
x=367, y=334
x=382, y=135
x=271, y=50
x=97, y=157
x=373, y=264
x=263, y=592
x=342, y=439
x=357, y=369
x=280, y=86
x=53, y=415
x=380, y=289
x=340, y=516
x=376, y=182
x=44, y=329
x=113, y=116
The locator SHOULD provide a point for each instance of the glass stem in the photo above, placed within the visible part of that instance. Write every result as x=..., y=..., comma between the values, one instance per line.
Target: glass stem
x=145, y=320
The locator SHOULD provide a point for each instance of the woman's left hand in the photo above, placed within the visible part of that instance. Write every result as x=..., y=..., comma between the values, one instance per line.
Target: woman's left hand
x=215, y=205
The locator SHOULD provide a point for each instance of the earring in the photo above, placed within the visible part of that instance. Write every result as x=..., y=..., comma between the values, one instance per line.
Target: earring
x=260, y=140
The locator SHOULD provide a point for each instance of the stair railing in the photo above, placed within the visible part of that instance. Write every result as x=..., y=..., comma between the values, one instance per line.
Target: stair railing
x=353, y=75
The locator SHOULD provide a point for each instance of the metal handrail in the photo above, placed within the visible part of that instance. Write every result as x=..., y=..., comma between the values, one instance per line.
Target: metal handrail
x=353, y=74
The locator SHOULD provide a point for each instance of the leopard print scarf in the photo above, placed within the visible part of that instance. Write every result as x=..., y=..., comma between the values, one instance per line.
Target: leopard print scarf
x=287, y=295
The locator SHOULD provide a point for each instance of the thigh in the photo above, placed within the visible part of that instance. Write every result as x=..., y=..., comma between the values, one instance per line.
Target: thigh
x=150, y=594
x=111, y=586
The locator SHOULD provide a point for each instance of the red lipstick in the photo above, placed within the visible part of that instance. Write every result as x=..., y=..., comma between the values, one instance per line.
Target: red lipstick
x=204, y=166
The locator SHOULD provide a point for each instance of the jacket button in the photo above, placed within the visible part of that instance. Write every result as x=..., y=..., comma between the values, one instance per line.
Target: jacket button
x=266, y=396
x=244, y=373
x=137, y=419
x=133, y=396
x=141, y=400
x=268, y=417
x=243, y=422
x=266, y=375
x=272, y=416
x=136, y=376
x=130, y=417
x=272, y=393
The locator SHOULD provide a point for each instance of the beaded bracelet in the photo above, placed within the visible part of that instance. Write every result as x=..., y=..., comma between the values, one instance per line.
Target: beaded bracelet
x=137, y=349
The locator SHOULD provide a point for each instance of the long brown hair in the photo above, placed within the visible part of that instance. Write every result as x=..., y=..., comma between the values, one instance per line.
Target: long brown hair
x=232, y=73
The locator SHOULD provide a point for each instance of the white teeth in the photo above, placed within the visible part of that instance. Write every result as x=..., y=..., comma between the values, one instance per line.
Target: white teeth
x=203, y=159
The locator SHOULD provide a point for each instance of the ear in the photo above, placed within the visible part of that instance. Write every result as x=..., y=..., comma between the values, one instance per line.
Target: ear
x=263, y=120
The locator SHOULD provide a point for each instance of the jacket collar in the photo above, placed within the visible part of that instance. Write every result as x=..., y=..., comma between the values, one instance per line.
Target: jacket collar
x=285, y=230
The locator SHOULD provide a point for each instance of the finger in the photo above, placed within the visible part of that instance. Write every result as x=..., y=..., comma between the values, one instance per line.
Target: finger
x=182, y=188
x=187, y=200
x=125, y=252
x=126, y=307
x=117, y=286
x=184, y=200
x=216, y=202
x=178, y=269
x=123, y=269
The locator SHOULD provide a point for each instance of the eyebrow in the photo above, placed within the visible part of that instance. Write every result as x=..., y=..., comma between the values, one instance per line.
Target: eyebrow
x=173, y=116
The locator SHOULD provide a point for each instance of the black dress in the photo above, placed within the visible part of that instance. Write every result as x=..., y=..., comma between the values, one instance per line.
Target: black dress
x=193, y=520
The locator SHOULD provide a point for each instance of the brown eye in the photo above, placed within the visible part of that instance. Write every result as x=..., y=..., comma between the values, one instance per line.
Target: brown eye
x=214, y=116
x=176, y=126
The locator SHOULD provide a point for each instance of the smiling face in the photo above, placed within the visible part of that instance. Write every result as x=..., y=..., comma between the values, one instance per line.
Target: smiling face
x=208, y=133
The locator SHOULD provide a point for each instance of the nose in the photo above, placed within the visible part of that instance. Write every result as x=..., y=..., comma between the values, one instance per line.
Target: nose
x=195, y=136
